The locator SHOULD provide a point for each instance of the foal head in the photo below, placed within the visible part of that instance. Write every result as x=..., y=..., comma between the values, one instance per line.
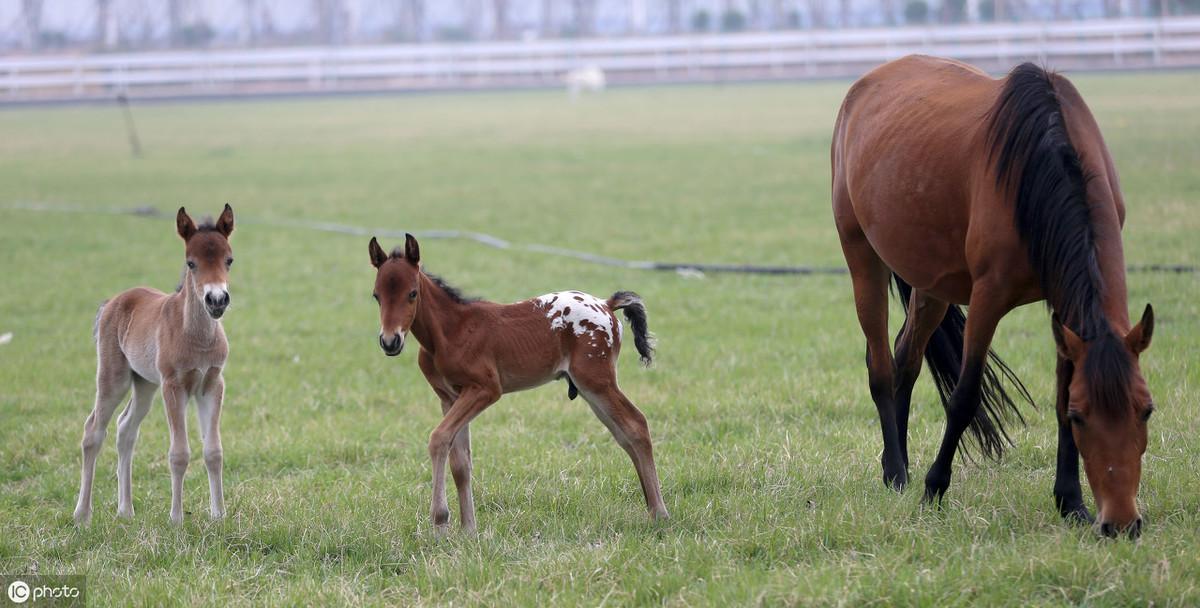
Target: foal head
x=1109, y=407
x=398, y=291
x=209, y=257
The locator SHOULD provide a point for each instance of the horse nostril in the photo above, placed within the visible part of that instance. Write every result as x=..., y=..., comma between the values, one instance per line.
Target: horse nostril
x=1108, y=529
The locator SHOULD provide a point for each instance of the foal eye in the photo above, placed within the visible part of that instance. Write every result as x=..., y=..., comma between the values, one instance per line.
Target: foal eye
x=412, y=295
x=376, y=296
x=191, y=265
x=1147, y=413
x=228, y=262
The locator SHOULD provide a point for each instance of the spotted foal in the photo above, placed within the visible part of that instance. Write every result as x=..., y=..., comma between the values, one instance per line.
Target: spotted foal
x=146, y=338
x=472, y=352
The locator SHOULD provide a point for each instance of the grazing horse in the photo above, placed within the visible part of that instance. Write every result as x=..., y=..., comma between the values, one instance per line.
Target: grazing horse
x=994, y=194
x=146, y=339
x=472, y=352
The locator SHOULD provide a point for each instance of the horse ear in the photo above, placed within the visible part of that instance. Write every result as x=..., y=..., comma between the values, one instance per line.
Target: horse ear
x=412, y=251
x=1069, y=344
x=184, y=224
x=1138, y=338
x=378, y=256
x=225, y=222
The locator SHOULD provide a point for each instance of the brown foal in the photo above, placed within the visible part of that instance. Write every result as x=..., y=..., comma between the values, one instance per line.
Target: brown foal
x=146, y=338
x=995, y=194
x=472, y=352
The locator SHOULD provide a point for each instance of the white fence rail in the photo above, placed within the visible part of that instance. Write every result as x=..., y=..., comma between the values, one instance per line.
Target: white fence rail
x=1130, y=43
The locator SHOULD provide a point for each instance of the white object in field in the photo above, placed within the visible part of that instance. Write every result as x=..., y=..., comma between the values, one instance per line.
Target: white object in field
x=585, y=79
x=5, y=338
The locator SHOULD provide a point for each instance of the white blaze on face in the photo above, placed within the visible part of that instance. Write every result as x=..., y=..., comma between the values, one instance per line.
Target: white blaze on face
x=578, y=311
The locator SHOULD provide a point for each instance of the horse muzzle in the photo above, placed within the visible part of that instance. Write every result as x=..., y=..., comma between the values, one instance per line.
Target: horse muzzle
x=216, y=302
x=392, y=345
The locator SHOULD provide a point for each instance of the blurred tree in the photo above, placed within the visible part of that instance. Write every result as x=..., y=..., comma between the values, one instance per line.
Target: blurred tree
x=917, y=11
x=674, y=16
x=31, y=15
x=816, y=12
x=331, y=17
x=701, y=21
x=547, y=19
x=954, y=11
x=732, y=20
x=174, y=22
x=844, y=13
x=249, y=33
x=102, y=19
x=585, y=16
x=500, y=19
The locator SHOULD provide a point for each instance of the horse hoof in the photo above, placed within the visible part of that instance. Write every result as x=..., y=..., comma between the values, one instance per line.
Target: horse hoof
x=83, y=518
x=896, y=481
x=125, y=513
x=1079, y=516
x=933, y=494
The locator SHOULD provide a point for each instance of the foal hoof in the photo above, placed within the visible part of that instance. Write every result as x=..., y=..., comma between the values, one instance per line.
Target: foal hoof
x=83, y=518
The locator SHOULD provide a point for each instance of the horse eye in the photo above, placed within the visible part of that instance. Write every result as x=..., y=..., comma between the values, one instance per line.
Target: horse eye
x=1147, y=413
x=191, y=265
x=1075, y=417
x=376, y=296
x=412, y=295
x=228, y=262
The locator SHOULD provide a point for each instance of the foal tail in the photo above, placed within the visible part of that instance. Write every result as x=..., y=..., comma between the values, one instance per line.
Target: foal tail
x=635, y=313
x=944, y=355
x=96, y=322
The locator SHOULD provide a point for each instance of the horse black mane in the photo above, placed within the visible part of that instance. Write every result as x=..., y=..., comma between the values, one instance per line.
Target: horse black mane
x=453, y=292
x=1037, y=163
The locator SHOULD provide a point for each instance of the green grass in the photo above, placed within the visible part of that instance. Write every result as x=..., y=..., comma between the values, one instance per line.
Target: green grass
x=766, y=438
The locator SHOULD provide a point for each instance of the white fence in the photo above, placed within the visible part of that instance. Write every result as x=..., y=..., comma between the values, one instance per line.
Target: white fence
x=1130, y=43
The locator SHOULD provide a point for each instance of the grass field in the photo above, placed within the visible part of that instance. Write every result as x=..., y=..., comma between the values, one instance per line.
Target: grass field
x=766, y=438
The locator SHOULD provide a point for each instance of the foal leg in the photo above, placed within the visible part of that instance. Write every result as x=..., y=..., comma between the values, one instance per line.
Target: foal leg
x=208, y=410
x=871, y=277
x=470, y=402
x=986, y=309
x=460, y=467
x=924, y=315
x=1068, y=496
x=113, y=376
x=127, y=434
x=628, y=426
x=175, y=399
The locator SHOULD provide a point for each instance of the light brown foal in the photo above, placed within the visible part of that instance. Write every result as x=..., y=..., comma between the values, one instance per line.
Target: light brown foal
x=472, y=352
x=146, y=338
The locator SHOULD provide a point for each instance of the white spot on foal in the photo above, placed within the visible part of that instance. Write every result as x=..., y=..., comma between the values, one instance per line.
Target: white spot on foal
x=581, y=312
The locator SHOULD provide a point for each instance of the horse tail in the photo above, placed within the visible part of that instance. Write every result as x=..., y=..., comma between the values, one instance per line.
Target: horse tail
x=96, y=322
x=944, y=355
x=635, y=313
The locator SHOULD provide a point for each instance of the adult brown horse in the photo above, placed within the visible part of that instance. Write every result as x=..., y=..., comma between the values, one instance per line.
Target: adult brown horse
x=472, y=352
x=994, y=194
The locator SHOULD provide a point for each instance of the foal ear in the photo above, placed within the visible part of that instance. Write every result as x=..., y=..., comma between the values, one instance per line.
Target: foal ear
x=1069, y=344
x=378, y=256
x=1138, y=338
x=225, y=222
x=184, y=224
x=412, y=251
